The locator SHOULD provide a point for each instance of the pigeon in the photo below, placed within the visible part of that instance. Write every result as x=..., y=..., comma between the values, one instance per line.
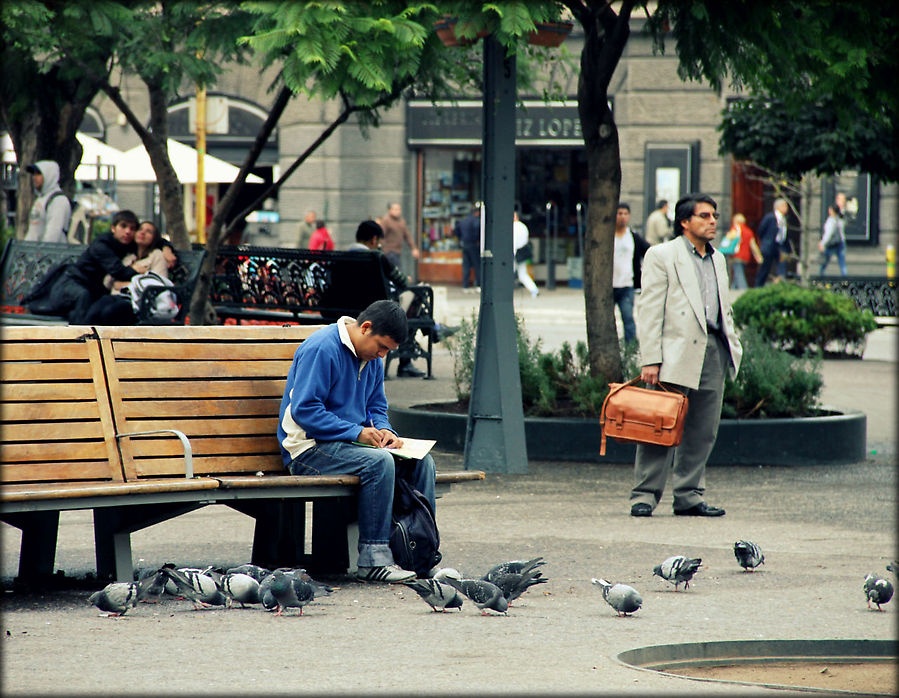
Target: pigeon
x=290, y=592
x=240, y=587
x=748, y=554
x=255, y=571
x=445, y=572
x=513, y=567
x=198, y=587
x=152, y=585
x=437, y=595
x=893, y=567
x=171, y=587
x=623, y=598
x=877, y=590
x=116, y=598
x=678, y=569
x=483, y=594
x=514, y=584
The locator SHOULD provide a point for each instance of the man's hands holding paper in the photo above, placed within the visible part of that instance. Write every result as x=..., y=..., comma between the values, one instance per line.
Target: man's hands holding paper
x=379, y=438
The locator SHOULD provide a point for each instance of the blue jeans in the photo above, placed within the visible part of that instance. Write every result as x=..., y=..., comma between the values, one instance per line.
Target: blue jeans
x=624, y=299
x=840, y=252
x=376, y=470
x=739, y=269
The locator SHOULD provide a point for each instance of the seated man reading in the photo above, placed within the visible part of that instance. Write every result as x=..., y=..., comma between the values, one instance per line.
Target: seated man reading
x=334, y=411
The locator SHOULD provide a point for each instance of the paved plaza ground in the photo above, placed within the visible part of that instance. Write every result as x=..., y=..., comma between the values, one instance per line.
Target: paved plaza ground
x=821, y=528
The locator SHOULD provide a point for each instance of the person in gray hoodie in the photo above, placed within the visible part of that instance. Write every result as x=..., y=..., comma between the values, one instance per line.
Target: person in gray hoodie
x=51, y=210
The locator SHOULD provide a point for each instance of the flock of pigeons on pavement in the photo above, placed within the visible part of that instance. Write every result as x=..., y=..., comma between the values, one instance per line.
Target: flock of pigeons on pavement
x=284, y=588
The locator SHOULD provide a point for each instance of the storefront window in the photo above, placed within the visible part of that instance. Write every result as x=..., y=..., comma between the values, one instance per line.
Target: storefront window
x=451, y=186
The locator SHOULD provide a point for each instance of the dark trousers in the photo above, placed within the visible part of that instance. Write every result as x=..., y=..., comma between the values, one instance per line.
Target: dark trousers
x=471, y=259
x=688, y=460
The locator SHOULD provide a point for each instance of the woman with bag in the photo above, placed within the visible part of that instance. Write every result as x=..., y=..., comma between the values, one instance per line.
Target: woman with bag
x=154, y=255
x=743, y=248
x=833, y=242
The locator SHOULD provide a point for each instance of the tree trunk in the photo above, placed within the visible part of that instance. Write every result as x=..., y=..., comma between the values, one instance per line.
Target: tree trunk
x=605, y=35
x=171, y=195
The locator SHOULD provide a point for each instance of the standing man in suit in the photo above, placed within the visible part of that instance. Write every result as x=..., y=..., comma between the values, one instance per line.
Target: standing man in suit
x=772, y=235
x=687, y=338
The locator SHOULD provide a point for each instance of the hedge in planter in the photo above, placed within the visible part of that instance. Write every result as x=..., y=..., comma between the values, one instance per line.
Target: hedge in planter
x=804, y=320
x=771, y=383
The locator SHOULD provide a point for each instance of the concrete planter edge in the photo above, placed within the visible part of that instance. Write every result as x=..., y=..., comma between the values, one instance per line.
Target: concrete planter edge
x=835, y=439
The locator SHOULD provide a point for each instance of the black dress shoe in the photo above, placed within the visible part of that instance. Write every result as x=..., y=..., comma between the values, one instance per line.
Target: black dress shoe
x=641, y=509
x=701, y=509
x=409, y=372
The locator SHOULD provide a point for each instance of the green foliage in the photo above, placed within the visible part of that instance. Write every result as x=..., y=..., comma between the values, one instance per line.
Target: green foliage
x=802, y=320
x=808, y=138
x=771, y=383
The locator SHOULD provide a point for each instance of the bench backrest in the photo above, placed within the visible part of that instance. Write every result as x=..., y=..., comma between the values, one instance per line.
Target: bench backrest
x=328, y=283
x=54, y=412
x=220, y=385
x=25, y=263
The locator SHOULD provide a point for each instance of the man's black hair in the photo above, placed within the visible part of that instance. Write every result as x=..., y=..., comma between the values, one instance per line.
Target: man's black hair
x=662, y=202
x=387, y=318
x=124, y=216
x=685, y=208
x=368, y=230
x=625, y=205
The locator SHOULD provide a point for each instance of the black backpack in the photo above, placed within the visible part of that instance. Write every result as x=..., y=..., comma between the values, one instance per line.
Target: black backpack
x=414, y=538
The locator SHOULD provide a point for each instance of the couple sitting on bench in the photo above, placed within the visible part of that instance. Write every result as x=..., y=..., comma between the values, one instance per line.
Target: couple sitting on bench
x=368, y=237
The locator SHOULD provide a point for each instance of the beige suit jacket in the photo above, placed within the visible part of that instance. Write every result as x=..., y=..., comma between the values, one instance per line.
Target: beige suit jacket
x=671, y=325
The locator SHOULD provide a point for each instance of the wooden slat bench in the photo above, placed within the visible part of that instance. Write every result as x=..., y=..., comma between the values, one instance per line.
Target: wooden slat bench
x=77, y=403
x=273, y=284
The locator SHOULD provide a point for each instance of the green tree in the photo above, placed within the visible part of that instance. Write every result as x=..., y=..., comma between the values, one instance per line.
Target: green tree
x=43, y=95
x=797, y=49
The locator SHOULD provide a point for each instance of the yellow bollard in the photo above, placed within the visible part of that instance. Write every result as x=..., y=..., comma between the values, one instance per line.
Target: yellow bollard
x=891, y=262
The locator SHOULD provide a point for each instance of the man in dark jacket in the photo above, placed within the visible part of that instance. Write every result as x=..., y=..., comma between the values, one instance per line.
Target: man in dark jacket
x=626, y=268
x=82, y=281
x=468, y=230
x=772, y=236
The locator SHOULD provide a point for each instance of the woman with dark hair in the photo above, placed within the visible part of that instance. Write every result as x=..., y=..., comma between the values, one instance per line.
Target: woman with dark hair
x=154, y=253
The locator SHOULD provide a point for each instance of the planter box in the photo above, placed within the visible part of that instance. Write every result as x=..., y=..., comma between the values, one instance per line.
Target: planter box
x=829, y=440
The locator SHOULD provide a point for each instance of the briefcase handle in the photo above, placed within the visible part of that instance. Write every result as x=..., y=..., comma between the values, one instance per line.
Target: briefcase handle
x=636, y=379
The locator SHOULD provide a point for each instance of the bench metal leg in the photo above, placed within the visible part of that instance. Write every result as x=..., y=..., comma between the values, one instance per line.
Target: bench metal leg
x=352, y=544
x=39, y=534
x=113, y=527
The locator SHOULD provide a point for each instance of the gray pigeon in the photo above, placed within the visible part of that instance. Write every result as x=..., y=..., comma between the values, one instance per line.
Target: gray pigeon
x=623, y=598
x=513, y=567
x=290, y=592
x=877, y=590
x=748, y=554
x=483, y=594
x=198, y=587
x=255, y=571
x=514, y=584
x=116, y=598
x=170, y=587
x=240, y=587
x=437, y=595
x=678, y=569
x=893, y=567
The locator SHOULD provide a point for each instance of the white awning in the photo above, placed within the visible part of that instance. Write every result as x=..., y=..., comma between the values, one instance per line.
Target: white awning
x=136, y=167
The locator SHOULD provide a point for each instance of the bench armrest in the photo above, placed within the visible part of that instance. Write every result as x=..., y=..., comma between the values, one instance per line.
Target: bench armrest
x=185, y=443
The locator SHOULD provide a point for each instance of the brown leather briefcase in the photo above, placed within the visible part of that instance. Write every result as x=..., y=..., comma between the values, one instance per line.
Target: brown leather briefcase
x=640, y=415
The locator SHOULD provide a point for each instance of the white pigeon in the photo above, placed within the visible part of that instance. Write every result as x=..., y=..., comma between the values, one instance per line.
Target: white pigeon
x=678, y=569
x=748, y=554
x=240, y=587
x=623, y=598
x=198, y=587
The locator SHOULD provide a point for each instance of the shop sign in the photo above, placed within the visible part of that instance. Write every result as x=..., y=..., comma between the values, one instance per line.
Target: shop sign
x=536, y=123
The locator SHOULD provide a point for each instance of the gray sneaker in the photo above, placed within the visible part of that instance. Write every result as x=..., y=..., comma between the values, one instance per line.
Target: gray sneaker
x=392, y=574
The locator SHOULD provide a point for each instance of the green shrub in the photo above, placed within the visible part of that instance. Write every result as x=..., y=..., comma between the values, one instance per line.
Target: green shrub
x=804, y=320
x=771, y=382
